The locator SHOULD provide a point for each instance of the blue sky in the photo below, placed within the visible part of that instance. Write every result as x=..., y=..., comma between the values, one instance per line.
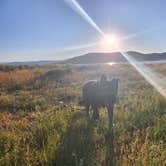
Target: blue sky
x=51, y=29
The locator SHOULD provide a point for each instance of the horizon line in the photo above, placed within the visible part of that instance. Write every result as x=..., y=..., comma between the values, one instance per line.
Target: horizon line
x=47, y=60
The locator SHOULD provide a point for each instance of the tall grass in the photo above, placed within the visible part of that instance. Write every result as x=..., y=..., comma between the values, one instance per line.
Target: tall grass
x=45, y=126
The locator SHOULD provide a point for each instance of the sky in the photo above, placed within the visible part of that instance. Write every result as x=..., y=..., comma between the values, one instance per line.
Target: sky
x=51, y=29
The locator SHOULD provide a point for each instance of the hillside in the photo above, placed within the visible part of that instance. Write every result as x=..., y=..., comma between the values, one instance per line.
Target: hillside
x=114, y=57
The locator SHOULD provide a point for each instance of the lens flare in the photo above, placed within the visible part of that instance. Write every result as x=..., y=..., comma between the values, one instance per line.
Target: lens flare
x=77, y=7
x=155, y=79
x=78, y=47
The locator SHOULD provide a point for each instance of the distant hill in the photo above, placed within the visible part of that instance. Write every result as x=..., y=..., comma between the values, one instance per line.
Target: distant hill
x=91, y=58
x=148, y=57
x=98, y=57
x=31, y=63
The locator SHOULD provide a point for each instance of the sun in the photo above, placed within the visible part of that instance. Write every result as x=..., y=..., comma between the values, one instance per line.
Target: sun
x=109, y=42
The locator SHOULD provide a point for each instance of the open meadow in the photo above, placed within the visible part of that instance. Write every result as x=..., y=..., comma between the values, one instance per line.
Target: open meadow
x=42, y=122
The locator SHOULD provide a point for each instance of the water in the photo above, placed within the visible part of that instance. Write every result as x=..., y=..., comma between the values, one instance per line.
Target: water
x=142, y=62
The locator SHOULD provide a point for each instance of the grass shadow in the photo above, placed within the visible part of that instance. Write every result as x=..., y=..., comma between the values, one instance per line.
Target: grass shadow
x=80, y=144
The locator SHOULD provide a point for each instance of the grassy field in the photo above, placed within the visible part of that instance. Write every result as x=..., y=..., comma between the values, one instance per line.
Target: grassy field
x=42, y=124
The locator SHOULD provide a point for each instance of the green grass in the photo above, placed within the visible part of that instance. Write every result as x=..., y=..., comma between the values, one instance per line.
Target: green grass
x=37, y=128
